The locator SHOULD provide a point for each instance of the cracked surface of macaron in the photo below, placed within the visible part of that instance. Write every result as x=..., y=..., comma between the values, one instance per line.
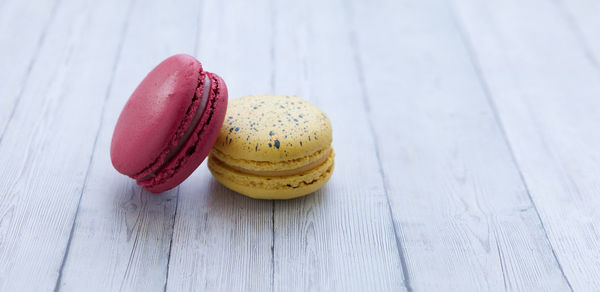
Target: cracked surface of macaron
x=273, y=147
x=169, y=123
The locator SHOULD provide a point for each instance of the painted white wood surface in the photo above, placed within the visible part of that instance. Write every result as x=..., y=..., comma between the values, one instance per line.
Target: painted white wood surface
x=460, y=207
x=547, y=93
x=21, y=39
x=583, y=19
x=465, y=132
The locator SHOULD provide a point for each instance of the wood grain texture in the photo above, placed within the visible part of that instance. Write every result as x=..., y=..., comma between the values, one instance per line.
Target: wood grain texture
x=46, y=148
x=122, y=234
x=340, y=238
x=463, y=216
x=222, y=240
x=21, y=39
x=546, y=89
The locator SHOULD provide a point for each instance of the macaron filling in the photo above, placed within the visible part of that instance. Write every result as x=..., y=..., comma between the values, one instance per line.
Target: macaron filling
x=286, y=172
x=189, y=130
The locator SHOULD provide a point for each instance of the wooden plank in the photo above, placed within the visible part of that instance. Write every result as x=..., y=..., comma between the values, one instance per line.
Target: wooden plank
x=463, y=215
x=340, y=238
x=546, y=89
x=222, y=240
x=46, y=149
x=121, y=238
x=21, y=38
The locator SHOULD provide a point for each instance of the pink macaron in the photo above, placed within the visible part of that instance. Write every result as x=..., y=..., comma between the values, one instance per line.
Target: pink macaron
x=169, y=124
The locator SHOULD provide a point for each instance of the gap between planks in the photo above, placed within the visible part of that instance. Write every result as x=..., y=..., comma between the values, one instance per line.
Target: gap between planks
x=102, y=113
x=488, y=95
x=365, y=99
x=30, y=66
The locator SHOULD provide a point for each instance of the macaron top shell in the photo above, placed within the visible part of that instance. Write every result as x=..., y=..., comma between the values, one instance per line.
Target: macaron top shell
x=153, y=114
x=268, y=129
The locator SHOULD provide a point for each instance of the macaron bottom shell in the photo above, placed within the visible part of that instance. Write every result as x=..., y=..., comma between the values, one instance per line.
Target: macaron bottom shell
x=272, y=187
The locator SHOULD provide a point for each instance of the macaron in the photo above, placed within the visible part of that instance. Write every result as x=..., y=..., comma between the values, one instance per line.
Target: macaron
x=169, y=124
x=273, y=147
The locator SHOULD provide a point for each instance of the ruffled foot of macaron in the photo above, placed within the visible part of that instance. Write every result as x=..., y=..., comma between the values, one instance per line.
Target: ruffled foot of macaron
x=273, y=147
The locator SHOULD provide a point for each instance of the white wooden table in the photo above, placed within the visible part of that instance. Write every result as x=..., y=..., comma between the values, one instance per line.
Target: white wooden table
x=467, y=136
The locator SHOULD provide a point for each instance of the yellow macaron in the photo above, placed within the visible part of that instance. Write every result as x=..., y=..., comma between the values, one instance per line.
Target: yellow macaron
x=273, y=147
